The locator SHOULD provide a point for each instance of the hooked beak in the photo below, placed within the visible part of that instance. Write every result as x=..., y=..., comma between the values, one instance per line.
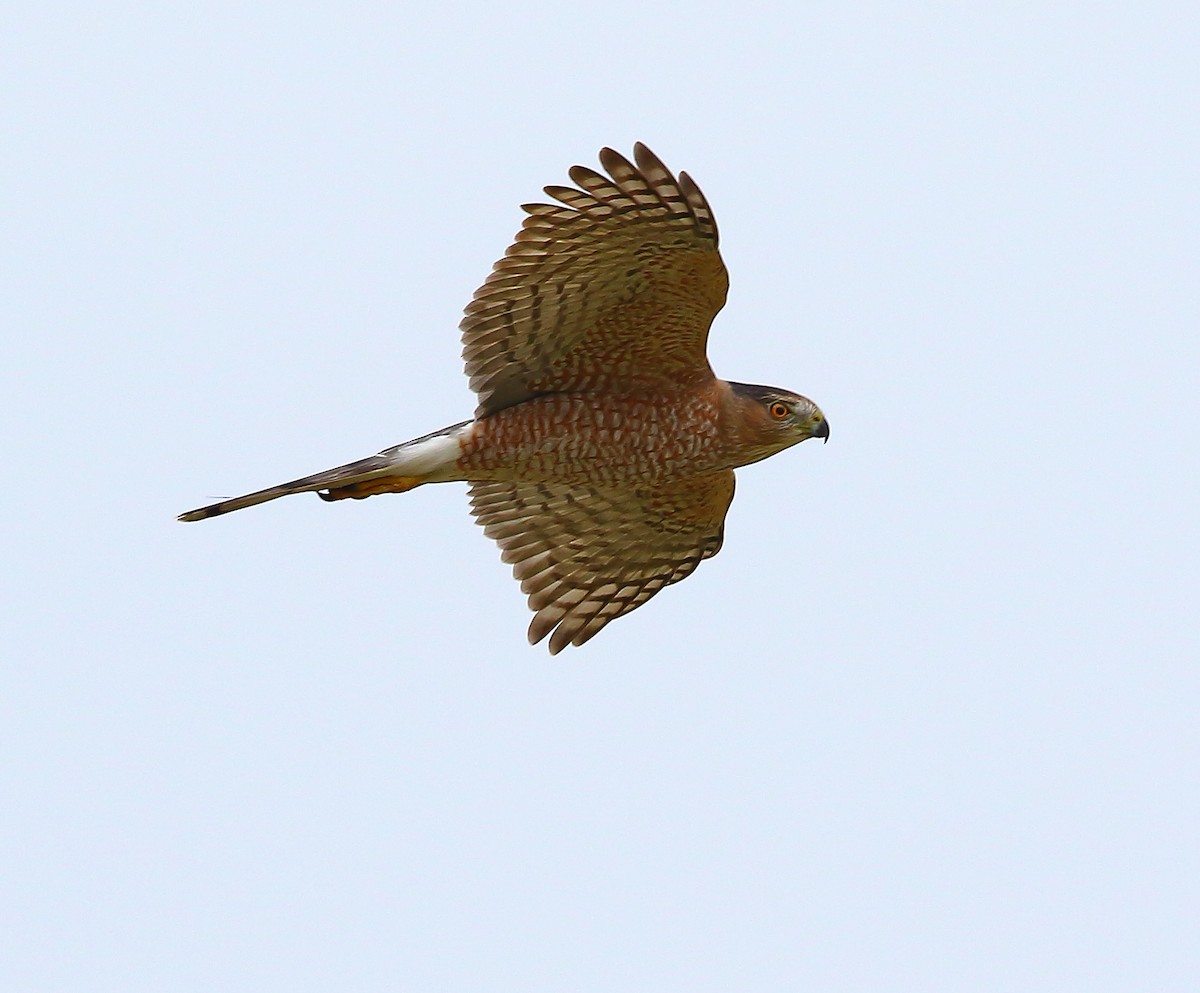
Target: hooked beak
x=821, y=431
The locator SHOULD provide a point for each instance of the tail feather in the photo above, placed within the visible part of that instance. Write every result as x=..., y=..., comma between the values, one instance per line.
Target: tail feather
x=332, y=479
x=394, y=470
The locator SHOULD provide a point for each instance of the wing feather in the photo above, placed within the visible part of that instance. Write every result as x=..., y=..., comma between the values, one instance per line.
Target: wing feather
x=586, y=556
x=613, y=287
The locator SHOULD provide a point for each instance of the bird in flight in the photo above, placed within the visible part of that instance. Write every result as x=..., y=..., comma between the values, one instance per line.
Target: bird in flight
x=601, y=454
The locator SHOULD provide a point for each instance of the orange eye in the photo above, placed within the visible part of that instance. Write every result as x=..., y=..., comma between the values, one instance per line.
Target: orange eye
x=778, y=410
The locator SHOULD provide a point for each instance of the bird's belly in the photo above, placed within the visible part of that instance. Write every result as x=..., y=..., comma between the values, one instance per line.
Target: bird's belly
x=569, y=437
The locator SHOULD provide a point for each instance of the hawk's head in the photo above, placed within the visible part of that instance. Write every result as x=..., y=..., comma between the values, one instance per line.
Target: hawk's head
x=772, y=419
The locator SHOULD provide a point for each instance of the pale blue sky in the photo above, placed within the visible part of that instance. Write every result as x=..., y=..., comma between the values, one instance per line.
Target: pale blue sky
x=927, y=723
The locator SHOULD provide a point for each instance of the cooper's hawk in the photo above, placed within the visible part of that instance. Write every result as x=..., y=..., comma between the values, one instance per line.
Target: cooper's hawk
x=602, y=450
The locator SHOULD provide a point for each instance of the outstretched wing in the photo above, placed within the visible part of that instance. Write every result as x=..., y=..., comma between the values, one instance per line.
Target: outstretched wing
x=613, y=287
x=587, y=555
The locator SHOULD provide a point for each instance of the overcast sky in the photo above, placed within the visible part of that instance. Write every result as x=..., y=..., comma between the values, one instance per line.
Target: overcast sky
x=928, y=722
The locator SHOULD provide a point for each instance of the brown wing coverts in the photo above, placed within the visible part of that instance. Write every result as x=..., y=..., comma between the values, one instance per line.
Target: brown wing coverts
x=587, y=555
x=616, y=285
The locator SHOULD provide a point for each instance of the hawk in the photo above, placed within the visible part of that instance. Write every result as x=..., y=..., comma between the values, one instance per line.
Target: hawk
x=601, y=454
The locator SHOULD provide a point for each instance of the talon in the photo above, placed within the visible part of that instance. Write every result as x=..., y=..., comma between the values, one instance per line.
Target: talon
x=371, y=487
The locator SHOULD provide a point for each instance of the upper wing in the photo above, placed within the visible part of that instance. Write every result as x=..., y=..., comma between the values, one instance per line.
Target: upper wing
x=616, y=287
x=587, y=555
